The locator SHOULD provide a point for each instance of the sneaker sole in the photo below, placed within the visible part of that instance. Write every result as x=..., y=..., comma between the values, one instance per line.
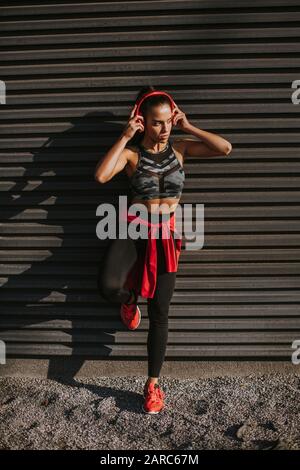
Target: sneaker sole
x=150, y=412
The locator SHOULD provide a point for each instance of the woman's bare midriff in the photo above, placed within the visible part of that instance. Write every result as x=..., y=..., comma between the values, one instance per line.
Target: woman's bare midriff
x=153, y=205
x=162, y=206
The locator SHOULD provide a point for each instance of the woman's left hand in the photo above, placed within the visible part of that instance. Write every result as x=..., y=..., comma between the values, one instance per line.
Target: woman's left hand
x=180, y=119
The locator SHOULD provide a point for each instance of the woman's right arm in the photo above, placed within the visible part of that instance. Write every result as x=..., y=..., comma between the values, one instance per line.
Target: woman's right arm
x=116, y=158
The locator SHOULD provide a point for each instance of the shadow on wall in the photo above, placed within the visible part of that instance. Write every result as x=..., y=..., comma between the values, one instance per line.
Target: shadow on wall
x=51, y=307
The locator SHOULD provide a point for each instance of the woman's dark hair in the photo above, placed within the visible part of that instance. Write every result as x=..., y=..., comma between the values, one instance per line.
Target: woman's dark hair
x=147, y=104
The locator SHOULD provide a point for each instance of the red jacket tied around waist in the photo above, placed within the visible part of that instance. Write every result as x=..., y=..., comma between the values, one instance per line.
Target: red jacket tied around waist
x=172, y=249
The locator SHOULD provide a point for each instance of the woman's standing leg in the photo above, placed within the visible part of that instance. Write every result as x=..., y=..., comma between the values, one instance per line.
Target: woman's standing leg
x=158, y=313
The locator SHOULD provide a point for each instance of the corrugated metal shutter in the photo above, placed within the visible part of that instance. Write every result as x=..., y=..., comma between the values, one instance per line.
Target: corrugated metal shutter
x=72, y=71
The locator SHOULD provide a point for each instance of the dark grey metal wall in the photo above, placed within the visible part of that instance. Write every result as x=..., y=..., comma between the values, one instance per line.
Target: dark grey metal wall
x=72, y=71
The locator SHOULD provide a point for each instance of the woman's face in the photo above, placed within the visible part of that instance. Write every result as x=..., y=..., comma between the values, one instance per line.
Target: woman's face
x=159, y=123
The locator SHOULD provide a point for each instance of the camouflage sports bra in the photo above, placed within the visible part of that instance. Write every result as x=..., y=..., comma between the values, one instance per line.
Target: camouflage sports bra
x=157, y=175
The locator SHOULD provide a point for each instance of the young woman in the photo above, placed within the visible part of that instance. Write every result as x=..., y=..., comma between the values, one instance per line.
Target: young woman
x=148, y=267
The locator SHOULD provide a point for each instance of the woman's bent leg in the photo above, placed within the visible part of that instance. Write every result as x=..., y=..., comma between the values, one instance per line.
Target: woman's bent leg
x=119, y=258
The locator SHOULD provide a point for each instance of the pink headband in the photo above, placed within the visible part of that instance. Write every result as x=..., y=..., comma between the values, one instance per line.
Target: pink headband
x=152, y=93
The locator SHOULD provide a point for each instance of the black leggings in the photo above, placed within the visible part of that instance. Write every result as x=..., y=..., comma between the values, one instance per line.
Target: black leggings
x=118, y=260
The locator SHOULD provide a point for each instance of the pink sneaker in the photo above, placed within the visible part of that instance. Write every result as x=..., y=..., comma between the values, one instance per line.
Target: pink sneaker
x=153, y=399
x=130, y=315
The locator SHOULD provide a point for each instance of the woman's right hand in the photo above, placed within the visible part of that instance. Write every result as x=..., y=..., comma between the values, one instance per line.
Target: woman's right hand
x=135, y=123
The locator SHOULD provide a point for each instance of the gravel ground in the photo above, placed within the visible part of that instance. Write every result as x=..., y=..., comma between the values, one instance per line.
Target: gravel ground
x=252, y=412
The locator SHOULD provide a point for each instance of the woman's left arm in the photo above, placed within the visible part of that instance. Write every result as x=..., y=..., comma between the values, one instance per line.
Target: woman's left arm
x=211, y=144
